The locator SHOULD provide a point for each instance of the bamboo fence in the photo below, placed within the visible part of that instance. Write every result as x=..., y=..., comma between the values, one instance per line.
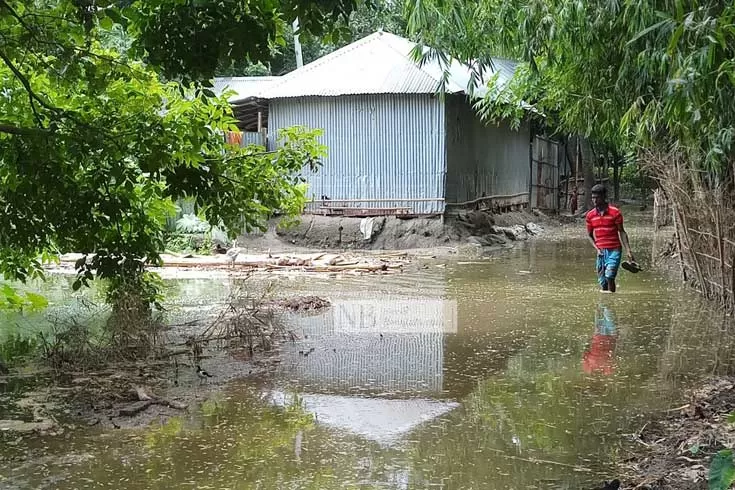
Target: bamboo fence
x=704, y=223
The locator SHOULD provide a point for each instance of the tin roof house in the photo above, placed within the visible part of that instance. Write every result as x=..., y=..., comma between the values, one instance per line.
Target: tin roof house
x=250, y=110
x=395, y=146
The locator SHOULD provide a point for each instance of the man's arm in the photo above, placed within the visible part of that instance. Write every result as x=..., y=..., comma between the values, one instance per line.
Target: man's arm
x=624, y=240
x=591, y=237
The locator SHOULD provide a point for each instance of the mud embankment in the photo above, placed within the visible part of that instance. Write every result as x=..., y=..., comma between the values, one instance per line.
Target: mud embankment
x=475, y=228
x=676, y=448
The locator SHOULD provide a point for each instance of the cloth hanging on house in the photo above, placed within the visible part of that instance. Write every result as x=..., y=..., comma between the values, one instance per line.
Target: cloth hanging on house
x=234, y=137
x=366, y=228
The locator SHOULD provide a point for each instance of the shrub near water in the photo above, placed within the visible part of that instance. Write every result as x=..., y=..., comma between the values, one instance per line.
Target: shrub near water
x=16, y=349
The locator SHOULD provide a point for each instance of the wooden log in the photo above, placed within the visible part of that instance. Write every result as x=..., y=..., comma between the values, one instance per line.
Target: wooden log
x=134, y=408
x=173, y=404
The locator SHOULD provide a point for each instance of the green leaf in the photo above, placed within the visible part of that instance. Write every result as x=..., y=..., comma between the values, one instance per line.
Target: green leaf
x=722, y=471
x=675, y=39
x=37, y=301
x=106, y=23
x=115, y=15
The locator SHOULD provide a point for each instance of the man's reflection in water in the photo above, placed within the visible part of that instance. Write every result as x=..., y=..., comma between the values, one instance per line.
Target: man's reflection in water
x=600, y=357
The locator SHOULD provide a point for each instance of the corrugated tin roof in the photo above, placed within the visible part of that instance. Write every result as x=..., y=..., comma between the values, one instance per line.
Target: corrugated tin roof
x=244, y=86
x=380, y=63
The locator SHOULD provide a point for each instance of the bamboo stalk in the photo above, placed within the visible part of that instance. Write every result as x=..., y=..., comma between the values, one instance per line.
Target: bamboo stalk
x=703, y=233
x=695, y=262
x=721, y=252
x=718, y=286
x=678, y=244
x=711, y=257
x=732, y=278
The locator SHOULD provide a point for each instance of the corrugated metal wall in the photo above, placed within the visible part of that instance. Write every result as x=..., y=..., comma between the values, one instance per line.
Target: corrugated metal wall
x=384, y=147
x=494, y=160
x=252, y=138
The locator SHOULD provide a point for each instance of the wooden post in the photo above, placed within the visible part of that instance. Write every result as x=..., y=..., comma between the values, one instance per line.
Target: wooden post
x=530, y=168
x=540, y=159
x=261, y=131
x=567, y=172
x=579, y=155
x=576, y=175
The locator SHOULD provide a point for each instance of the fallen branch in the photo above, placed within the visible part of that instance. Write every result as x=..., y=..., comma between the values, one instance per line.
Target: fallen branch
x=145, y=400
x=173, y=353
x=135, y=408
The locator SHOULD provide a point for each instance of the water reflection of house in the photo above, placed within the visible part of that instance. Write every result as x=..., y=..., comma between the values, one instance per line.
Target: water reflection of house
x=378, y=419
x=386, y=344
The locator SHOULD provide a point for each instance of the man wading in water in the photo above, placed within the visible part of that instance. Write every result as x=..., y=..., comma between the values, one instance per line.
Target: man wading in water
x=606, y=233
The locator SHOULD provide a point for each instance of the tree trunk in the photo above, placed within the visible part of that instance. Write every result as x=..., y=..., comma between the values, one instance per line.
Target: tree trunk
x=588, y=165
x=616, y=176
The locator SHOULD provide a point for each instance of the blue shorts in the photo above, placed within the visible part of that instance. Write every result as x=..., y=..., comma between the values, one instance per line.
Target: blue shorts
x=607, y=265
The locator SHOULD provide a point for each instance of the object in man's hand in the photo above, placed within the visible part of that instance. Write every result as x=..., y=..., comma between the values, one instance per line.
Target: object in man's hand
x=631, y=266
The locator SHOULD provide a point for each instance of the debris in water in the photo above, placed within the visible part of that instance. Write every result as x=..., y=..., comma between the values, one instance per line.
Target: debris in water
x=302, y=303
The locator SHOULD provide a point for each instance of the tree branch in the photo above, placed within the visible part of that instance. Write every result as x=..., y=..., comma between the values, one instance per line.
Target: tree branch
x=21, y=131
x=32, y=96
x=5, y=4
x=58, y=112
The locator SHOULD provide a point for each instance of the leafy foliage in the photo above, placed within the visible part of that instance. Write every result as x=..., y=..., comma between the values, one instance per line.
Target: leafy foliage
x=190, y=223
x=95, y=147
x=628, y=74
x=722, y=471
x=17, y=347
x=367, y=18
x=12, y=299
x=188, y=39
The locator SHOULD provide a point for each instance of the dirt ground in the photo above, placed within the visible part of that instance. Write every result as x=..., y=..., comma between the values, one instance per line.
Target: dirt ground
x=677, y=447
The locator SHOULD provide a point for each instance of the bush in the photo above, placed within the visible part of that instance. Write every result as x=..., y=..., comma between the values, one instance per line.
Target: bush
x=17, y=348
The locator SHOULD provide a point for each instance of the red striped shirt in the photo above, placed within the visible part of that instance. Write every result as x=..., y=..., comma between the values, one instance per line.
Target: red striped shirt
x=604, y=226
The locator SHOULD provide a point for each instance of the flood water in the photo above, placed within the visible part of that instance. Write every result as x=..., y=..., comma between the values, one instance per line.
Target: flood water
x=509, y=373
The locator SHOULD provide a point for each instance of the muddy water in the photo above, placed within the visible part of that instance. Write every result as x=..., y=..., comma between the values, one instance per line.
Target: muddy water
x=508, y=373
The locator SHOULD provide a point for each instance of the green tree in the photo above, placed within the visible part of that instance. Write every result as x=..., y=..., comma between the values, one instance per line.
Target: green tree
x=367, y=18
x=106, y=119
x=632, y=74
